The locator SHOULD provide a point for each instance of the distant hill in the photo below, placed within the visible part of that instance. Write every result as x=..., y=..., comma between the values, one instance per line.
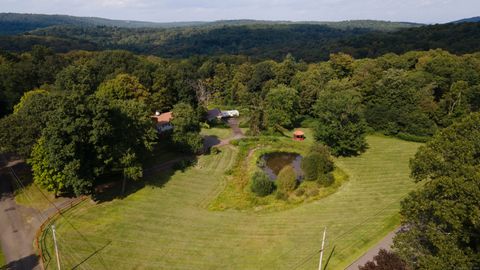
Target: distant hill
x=16, y=23
x=363, y=24
x=308, y=42
x=473, y=19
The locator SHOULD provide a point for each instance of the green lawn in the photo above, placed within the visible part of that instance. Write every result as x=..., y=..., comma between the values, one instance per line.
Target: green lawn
x=31, y=196
x=166, y=225
x=220, y=133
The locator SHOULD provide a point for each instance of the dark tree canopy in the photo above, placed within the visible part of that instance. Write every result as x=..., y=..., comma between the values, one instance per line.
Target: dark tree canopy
x=20, y=131
x=441, y=220
x=186, y=128
x=281, y=107
x=385, y=260
x=340, y=123
x=86, y=137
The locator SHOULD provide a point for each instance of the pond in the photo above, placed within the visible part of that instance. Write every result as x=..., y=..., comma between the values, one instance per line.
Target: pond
x=273, y=163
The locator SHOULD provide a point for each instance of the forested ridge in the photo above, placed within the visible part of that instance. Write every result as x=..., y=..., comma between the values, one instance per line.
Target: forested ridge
x=260, y=41
x=17, y=23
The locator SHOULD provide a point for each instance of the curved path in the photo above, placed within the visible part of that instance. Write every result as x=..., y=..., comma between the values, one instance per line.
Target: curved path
x=166, y=225
x=237, y=133
x=17, y=224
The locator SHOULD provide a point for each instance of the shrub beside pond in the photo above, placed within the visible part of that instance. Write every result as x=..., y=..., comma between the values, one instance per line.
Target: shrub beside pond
x=287, y=179
x=261, y=184
x=318, y=165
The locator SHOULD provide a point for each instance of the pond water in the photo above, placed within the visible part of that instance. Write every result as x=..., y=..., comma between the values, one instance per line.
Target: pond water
x=273, y=163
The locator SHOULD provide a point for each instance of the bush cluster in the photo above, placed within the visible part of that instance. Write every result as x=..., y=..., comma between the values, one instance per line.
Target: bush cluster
x=318, y=165
x=287, y=179
x=261, y=184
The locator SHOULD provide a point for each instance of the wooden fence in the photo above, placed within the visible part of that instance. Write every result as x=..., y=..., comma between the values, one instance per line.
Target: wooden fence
x=45, y=257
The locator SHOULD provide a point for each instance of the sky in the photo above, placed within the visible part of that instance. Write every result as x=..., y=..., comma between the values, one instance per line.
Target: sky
x=422, y=11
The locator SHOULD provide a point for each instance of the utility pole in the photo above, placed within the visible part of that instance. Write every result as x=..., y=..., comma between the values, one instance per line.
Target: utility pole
x=321, y=251
x=56, y=247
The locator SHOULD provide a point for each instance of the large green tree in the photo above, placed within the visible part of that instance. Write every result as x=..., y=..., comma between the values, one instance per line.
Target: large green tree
x=123, y=87
x=20, y=131
x=441, y=220
x=340, y=124
x=74, y=147
x=86, y=137
x=281, y=107
x=402, y=102
x=186, y=128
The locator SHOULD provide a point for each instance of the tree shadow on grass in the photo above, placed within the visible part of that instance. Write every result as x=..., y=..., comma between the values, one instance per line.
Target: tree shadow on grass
x=28, y=262
x=110, y=187
x=91, y=255
x=209, y=141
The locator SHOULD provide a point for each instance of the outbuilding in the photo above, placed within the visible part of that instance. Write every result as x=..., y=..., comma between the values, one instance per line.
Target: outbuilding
x=230, y=113
x=298, y=135
x=214, y=114
x=162, y=121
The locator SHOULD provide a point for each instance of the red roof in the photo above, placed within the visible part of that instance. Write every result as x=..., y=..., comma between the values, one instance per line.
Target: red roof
x=298, y=133
x=163, y=118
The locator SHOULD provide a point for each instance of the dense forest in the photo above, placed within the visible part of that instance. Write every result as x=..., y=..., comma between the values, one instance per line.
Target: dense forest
x=17, y=23
x=309, y=42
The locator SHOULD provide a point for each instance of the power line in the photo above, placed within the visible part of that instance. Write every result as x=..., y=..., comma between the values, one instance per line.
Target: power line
x=312, y=255
x=17, y=179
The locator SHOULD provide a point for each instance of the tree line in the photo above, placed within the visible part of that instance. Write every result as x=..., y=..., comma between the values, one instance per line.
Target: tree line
x=410, y=95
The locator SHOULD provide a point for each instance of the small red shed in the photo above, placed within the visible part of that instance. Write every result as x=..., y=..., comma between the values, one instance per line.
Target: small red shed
x=298, y=135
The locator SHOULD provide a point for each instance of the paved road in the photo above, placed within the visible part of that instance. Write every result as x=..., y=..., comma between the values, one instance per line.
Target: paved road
x=17, y=227
x=385, y=243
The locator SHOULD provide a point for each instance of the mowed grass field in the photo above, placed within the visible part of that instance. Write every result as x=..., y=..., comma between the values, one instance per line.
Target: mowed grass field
x=166, y=225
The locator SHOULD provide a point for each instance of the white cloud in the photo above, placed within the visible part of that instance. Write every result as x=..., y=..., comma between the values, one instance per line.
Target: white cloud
x=187, y=10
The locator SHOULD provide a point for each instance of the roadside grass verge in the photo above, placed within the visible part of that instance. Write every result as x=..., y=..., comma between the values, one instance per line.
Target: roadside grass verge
x=31, y=196
x=165, y=225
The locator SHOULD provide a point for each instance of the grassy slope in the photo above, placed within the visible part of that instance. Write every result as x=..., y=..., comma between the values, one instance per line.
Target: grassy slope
x=168, y=227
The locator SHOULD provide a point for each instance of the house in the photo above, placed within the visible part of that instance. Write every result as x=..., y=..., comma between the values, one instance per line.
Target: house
x=298, y=135
x=214, y=114
x=230, y=113
x=162, y=121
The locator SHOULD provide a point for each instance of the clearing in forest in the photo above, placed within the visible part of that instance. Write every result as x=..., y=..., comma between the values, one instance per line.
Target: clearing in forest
x=167, y=224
